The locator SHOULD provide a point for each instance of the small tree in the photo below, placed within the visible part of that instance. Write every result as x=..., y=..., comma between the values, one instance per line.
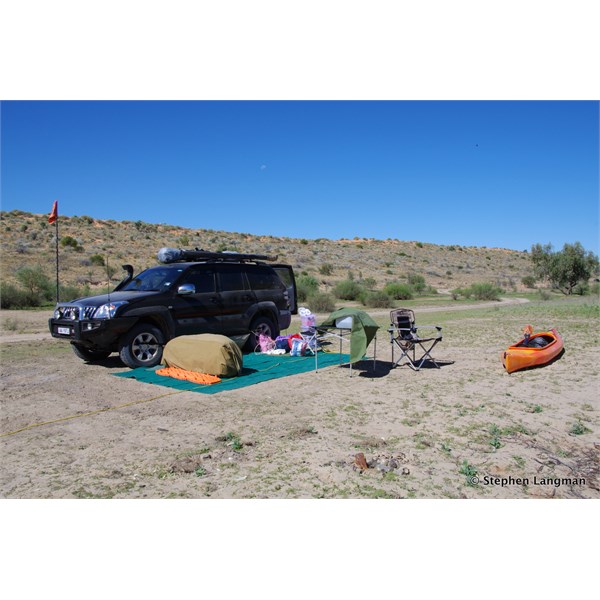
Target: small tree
x=565, y=268
x=35, y=281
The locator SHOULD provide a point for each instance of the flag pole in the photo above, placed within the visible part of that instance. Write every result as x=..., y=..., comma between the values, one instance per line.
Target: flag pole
x=53, y=218
x=57, y=286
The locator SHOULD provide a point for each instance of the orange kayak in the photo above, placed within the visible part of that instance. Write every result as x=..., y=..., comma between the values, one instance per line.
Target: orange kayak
x=540, y=350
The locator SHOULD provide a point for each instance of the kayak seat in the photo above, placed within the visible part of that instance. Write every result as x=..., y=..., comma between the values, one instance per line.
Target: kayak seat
x=415, y=343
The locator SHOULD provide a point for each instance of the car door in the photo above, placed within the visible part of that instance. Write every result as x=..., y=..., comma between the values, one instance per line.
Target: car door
x=198, y=310
x=286, y=274
x=236, y=299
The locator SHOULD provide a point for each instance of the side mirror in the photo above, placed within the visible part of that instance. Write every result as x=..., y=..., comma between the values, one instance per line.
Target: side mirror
x=186, y=289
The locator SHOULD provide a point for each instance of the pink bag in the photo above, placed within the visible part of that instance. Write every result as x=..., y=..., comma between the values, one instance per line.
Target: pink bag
x=265, y=343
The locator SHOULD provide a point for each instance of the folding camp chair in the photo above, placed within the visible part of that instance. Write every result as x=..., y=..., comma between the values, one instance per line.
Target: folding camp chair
x=405, y=334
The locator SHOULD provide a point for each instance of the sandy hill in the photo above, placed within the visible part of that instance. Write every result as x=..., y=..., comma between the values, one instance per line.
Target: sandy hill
x=28, y=240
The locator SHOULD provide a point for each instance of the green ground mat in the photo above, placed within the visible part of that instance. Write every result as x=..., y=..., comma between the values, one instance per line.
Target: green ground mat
x=257, y=368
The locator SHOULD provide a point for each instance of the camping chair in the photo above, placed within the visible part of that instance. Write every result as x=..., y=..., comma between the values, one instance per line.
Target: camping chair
x=308, y=330
x=405, y=334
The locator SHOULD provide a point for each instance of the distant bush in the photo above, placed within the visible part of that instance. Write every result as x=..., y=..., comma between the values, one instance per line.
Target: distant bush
x=399, y=291
x=13, y=297
x=486, y=291
x=70, y=242
x=417, y=282
x=35, y=282
x=326, y=269
x=306, y=285
x=321, y=302
x=97, y=259
x=71, y=292
x=368, y=283
x=544, y=294
x=348, y=290
x=582, y=288
x=377, y=299
x=479, y=291
x=528, y=281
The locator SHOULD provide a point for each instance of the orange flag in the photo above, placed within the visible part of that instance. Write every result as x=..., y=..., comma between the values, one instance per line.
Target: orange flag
x=54, y=214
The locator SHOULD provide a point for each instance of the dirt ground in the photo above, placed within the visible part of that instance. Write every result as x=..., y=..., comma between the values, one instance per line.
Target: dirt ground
x=467, y=430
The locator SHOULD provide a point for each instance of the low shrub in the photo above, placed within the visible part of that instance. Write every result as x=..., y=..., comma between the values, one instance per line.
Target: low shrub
x=13, y=297
x=399, y=291
x=348, y=290
x=71, y=292
x=97, y=259
x=377, y=299
x=306, y=286
x=479, y=291
x=320, y=302
x=417, y=282
x=528, y=281
x=326, y=269
x=582, y=288
x=486, y=291
x=70, y=242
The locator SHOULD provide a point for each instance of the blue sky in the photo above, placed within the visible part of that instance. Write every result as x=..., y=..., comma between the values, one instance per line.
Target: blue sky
x=474, y=173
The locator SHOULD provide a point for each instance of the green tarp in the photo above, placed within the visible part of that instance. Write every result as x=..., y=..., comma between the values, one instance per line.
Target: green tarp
x=257, y=368
x=362, y=333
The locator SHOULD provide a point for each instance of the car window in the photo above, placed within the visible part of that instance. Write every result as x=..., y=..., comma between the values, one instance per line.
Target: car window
x=264, y=280
x=231, y=280
x=203, y=280
x=156, y=279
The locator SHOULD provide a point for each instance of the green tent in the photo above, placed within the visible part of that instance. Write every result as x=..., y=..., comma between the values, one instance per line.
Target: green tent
x=362, y=333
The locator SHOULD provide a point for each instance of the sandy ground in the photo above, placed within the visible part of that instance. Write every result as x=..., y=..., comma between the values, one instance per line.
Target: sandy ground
x=467, y=430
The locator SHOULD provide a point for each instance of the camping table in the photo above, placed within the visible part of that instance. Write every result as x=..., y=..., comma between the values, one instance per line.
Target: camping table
x=342, y=333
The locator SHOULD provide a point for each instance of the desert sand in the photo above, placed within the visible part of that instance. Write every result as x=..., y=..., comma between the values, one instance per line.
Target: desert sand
x=467, y=430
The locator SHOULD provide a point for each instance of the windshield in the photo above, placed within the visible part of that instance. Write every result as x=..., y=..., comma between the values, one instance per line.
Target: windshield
x=156, y=279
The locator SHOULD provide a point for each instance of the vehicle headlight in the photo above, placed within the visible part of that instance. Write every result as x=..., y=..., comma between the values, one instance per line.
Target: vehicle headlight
x=107, y=311
x=57, y=314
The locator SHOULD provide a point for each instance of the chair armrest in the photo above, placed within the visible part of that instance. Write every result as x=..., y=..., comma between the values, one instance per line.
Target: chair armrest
x=436, y=327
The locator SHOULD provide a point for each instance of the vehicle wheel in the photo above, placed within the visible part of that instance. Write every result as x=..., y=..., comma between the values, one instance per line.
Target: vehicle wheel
x=89, y=355
x=142, y=346
x=264, y=325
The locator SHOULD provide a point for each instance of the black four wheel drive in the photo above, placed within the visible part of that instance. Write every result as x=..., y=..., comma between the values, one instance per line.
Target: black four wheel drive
x=193, y=291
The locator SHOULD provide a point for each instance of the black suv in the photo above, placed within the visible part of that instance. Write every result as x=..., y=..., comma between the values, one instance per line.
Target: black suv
x=237, y=295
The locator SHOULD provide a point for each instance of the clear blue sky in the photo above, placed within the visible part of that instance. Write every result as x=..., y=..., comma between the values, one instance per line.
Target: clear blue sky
x=497, y=174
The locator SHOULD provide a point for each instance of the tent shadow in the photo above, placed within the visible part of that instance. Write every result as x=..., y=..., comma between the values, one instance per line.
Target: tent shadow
x=366, y=368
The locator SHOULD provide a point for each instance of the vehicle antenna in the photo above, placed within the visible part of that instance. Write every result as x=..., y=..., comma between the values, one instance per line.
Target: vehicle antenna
x=108, y=277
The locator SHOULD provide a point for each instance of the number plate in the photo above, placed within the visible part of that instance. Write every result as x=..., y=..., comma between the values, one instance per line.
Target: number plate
x=64, y=331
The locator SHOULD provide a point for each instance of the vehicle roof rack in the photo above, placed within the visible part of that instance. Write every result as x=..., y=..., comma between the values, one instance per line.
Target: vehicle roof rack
x=171, y=255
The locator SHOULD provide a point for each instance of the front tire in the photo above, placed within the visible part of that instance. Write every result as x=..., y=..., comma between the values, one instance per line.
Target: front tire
x=142, y=346
x=89, y=355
